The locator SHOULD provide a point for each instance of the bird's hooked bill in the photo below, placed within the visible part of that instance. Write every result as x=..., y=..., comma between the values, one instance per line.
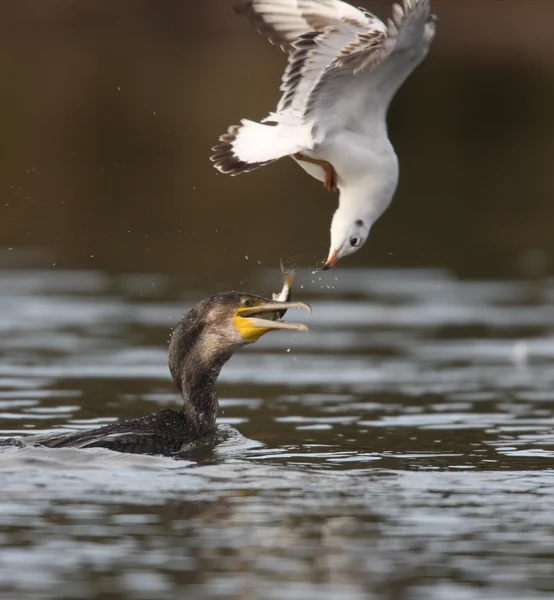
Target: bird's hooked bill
x=265, y=317
x=331, y=261
x=269, y=306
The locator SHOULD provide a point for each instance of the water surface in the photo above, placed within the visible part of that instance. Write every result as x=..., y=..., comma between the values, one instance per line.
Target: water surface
x=404, y=448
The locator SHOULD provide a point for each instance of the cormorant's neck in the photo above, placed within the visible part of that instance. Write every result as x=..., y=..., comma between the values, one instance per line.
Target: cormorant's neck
x=196, y=357
x=197, y=386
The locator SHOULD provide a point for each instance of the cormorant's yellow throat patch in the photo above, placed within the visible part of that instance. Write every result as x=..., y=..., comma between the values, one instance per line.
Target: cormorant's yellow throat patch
x=249, y=331
x=259, y=316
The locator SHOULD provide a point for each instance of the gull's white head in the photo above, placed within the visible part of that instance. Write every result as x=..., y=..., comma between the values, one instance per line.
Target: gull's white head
x=359, y=207
x=349, y=232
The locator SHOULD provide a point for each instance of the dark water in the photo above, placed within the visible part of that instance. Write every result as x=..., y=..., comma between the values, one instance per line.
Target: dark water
x=404, y=448
x=111, y=109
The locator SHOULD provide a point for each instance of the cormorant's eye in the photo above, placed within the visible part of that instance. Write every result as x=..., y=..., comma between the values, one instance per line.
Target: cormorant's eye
x=246, y=302
x=354, y=241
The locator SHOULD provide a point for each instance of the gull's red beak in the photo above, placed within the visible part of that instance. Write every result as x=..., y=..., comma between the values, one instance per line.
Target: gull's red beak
x=331, y=261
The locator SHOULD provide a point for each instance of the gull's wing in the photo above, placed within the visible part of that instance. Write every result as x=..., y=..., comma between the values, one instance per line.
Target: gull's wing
x=406, y=30
x=369, y=69
x=313, y=53
x=283, y=21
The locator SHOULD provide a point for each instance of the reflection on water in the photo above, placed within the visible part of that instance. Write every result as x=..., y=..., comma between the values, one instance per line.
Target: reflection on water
x=403, y=448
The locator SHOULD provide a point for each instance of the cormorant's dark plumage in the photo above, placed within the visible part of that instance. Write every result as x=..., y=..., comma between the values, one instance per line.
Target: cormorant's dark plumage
x=201, y=344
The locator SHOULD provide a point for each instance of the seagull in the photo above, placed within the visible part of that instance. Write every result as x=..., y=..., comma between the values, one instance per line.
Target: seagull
x=344, y=67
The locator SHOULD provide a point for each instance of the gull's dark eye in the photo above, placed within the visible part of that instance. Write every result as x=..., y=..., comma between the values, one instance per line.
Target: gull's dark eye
x=246, y=302
x=354, y=241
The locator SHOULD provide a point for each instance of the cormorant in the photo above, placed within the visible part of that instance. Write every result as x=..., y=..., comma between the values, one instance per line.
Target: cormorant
x=201, y=344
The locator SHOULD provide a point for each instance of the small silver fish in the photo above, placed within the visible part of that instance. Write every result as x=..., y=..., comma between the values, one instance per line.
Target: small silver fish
x=286, y=293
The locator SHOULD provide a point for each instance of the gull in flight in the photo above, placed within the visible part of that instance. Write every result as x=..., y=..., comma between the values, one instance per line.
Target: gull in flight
x=344, y=68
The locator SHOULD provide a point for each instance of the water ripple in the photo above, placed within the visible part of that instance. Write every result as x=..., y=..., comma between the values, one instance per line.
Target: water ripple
x=410, y=432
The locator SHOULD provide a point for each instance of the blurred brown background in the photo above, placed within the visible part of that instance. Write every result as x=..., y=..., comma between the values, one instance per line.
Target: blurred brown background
x=109, y=109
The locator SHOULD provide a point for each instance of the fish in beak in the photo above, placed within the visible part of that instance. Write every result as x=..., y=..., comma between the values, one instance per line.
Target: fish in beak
x=286, y=293
x=263, y=315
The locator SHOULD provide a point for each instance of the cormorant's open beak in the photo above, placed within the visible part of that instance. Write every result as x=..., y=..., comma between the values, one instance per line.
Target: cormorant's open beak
x=255, y=321
x=265, y=316
x=331, y=261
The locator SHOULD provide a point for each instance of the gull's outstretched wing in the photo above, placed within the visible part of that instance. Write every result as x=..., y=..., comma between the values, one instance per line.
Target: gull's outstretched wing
x=368, y=70
x=344, y=67
x=283, y=21
x=315, y=31
x=313, y=53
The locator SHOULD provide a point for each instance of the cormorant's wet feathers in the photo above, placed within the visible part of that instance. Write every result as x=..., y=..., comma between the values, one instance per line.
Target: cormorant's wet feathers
x=201, y=344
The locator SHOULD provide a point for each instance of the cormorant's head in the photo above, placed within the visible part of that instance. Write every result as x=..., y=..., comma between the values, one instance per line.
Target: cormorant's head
x=220, y=324
x=253, y=316
x=217, y=326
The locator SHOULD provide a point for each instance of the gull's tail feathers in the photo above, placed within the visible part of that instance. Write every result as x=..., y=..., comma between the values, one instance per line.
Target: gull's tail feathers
x=250, y=145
